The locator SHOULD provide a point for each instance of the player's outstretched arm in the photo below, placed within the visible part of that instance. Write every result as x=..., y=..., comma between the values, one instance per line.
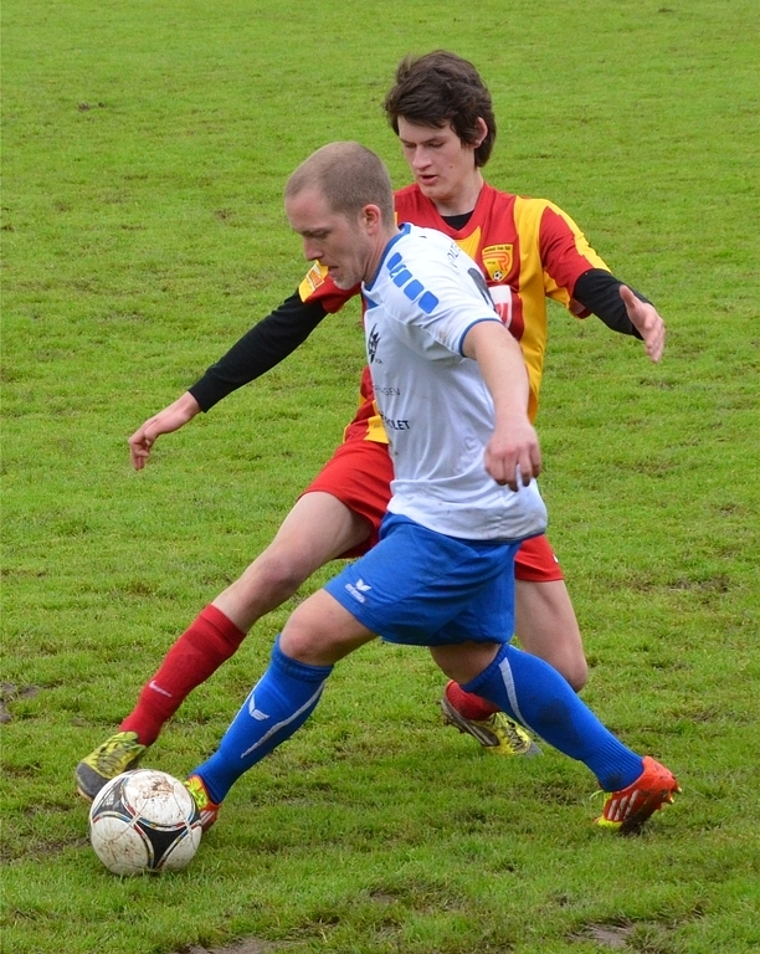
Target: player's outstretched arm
x=260, y=349
x=513, y=455
x=621, y=308
x=172, y=418
x=647, y=321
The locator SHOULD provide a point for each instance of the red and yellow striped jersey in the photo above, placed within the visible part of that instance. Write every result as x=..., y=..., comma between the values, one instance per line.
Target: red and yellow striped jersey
x=529, y=245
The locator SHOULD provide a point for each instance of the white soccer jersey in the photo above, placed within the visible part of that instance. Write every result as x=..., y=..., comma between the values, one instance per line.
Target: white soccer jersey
x=436, y=408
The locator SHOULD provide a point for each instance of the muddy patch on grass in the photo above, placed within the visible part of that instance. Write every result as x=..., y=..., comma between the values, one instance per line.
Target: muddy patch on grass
x=250, y=946
x=9, y=692
x=613, y=936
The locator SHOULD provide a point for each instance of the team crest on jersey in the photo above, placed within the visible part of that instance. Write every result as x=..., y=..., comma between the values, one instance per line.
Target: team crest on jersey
x=497, y=260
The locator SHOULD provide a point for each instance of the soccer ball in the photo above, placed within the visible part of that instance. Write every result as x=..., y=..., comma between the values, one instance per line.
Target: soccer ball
x=144, y=821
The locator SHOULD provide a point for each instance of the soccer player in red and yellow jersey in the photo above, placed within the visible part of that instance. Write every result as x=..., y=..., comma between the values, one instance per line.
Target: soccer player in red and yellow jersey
x=528, y=250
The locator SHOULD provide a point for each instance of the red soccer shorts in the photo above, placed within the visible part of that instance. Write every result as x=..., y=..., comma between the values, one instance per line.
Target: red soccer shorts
x=359, y=475
x=536, y=563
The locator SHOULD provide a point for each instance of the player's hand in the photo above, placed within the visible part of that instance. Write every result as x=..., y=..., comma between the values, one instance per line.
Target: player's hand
x=170, y=419
x=513, y=455
x=646, y=320
x=139, y=446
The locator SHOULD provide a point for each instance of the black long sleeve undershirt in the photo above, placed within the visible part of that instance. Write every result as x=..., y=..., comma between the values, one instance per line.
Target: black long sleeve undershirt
x=259, y=350
x=278, y=335
x=599, y=292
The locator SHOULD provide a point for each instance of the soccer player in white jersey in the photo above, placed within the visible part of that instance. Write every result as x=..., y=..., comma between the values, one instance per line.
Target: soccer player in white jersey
x=451, y=385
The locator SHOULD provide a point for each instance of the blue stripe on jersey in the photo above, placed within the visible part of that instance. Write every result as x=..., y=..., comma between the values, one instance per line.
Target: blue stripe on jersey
x=428, y=302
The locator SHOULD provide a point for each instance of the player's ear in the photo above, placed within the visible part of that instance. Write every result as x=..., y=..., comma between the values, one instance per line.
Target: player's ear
x=482, y=132
x=371, y=217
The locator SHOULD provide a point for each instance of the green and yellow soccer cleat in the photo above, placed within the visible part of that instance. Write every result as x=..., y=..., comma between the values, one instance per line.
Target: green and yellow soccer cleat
x=497, y=734
x=118, y=754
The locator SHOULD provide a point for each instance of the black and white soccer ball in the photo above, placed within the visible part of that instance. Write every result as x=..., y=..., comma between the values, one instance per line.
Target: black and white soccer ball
x=144, y=821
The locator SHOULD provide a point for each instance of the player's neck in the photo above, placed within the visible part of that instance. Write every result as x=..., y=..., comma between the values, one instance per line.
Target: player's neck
x=463, y=199
x=384, y=238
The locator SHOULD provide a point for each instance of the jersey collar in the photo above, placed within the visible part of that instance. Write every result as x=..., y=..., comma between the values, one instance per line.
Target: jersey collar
x=403, y=230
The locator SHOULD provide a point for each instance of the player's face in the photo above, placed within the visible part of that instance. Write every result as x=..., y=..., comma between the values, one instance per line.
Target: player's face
x=341, y=245
x=442, y=165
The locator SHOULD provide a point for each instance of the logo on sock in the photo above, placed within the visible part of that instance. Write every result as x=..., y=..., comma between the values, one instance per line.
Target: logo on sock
x=254, y=712
x=156, y=688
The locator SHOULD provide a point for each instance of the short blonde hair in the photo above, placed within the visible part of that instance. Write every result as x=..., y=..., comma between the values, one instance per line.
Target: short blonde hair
x=349, y=176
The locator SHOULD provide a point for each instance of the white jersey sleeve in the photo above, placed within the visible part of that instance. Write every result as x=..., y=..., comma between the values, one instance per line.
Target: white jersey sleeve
x=436, y=293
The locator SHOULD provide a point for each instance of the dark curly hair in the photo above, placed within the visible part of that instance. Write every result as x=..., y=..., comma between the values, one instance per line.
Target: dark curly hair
x=440, y=88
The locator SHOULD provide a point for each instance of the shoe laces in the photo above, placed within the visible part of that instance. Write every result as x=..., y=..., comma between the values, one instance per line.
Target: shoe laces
x=512, y=733
x=115, y=752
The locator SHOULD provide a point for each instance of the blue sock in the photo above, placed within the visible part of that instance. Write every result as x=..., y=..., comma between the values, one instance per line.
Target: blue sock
x=279, y=704
x=531, y=691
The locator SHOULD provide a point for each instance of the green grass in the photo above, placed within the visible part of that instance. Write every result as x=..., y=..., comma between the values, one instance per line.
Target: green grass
x=145, y=148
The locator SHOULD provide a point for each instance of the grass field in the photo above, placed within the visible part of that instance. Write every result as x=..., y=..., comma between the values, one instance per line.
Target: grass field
x=145, y=148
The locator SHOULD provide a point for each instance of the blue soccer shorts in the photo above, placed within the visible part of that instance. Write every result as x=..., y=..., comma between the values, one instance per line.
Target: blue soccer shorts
x=427, y=589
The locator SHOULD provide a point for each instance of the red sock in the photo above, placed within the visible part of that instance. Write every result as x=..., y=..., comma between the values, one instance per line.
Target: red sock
x=467, y=705
x=210, y=640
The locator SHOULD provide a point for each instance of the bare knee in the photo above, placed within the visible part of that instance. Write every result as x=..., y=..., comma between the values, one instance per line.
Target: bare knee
x=564, y=653
x=321, y=632
x=575, y=669
x=318, y=528
x=277, y=571
x=270, y=580
x=565, y=656
x=463, y=662
x=547, y=627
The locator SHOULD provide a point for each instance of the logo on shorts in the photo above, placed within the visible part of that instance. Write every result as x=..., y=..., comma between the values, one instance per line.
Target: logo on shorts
x=359, y=590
